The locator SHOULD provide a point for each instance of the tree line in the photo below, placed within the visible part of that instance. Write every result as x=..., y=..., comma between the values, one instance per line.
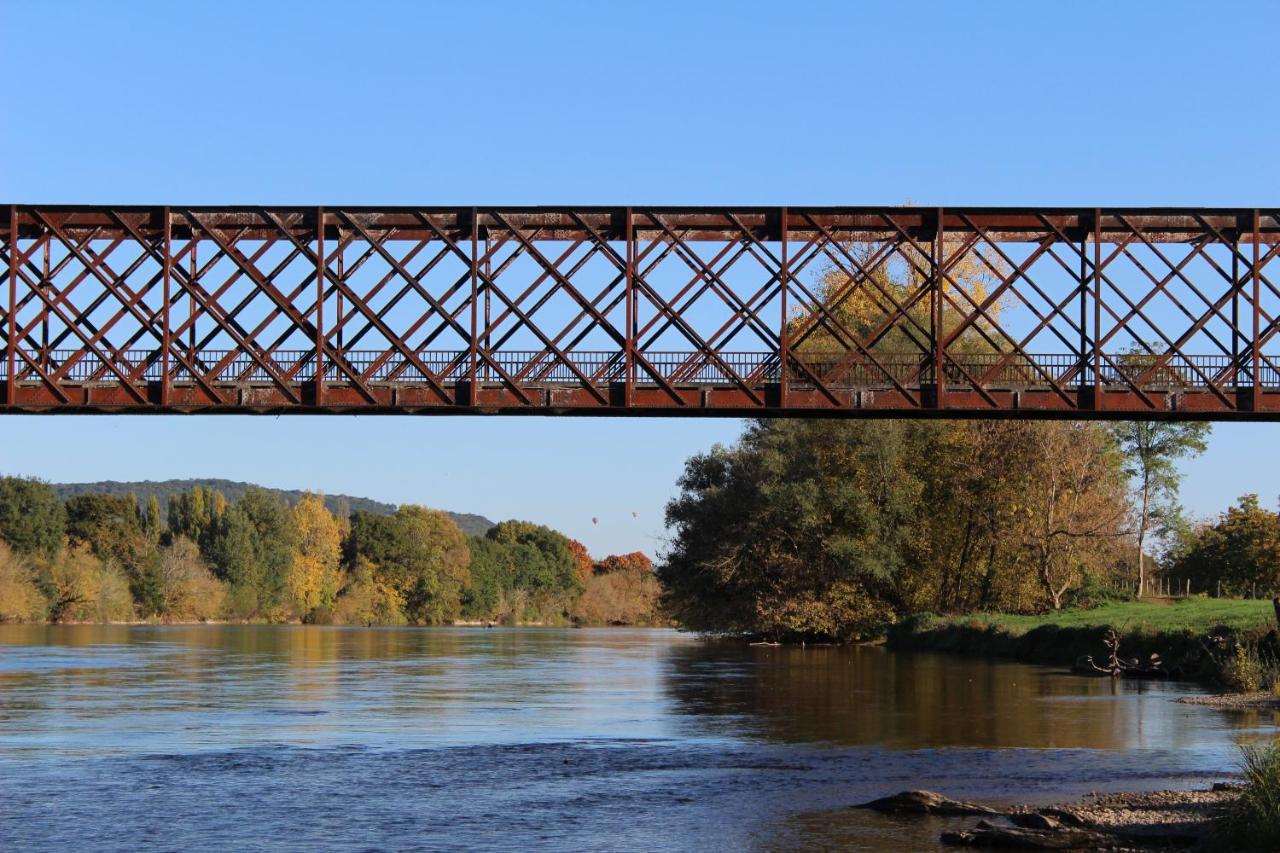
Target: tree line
x=104, y=557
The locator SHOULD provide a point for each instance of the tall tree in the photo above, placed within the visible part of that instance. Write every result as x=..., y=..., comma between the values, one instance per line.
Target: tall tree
x=313, y=577
x=1152, y=449
x=32, y=519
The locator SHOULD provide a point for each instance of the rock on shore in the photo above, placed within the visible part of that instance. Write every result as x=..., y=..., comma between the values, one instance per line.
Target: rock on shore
x=1149, y=820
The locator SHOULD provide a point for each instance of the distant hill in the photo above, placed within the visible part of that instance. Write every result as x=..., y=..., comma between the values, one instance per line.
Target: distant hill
x=471, y=524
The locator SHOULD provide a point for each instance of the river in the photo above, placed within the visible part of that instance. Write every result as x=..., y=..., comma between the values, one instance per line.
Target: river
x=291, y=737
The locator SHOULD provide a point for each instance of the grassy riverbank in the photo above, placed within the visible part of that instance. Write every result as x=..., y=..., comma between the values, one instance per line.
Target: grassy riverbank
x=1174, y=630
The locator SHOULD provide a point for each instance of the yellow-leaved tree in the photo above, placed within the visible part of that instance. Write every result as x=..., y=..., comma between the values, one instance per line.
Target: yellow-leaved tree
x=313, y=580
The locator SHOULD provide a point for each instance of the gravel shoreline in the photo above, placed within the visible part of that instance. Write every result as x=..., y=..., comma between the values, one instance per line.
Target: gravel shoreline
x=1147, y=820
x=1263, y=701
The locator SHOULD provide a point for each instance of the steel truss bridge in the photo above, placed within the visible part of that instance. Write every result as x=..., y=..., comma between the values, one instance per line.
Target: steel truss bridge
x=738, y=311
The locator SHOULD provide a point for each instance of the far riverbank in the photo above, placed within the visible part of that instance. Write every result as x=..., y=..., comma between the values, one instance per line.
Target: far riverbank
x=1192, y=637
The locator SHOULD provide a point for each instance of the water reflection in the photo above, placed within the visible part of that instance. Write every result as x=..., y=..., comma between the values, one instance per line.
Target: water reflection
x=867, y=695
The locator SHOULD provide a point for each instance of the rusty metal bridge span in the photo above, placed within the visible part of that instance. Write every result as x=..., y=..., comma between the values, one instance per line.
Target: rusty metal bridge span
x=739, y=311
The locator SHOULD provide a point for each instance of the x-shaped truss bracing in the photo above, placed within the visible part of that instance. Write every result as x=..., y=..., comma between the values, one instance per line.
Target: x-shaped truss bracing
x=735, y=311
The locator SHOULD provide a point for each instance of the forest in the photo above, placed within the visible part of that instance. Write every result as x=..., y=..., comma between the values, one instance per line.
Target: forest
x=110, y=557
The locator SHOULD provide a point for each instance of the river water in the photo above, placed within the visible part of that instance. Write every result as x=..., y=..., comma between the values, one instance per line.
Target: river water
x=291, y=737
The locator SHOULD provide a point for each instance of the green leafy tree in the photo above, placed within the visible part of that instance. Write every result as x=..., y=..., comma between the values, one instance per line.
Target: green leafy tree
x=228, y=546
x=109, y=526
x=275, y=542
x=32, y=519
x=152, y=523
x=421, y=554
x=1237, y=553
x=1152, y=450
x=799, y=531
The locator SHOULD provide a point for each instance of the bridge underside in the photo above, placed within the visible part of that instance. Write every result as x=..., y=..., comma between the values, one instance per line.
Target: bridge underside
x=806, y=312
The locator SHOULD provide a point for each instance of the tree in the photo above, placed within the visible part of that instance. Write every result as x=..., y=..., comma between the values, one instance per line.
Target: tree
x=582, y=558
x=188, y=590
x=1075, y=518
x=547, y=563
x=228, y=545
x=1151, y=449
x=797, y=532
x=32, y=519
x=194, y=513
x=367, y=599
x=1237, y=553
x=313, y=577
x=82, y=588
x=152, y=523
x=108, y=526
x=421, y=554
x=20, y=599
x=622, y=590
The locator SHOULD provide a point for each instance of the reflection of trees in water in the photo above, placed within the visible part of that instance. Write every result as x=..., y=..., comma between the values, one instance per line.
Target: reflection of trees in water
x=867, y=695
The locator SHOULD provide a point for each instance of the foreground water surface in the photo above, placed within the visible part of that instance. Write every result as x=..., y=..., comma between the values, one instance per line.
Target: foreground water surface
x=126, y=738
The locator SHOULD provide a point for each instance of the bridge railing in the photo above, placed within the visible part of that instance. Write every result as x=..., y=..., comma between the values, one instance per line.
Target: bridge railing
x=600, y=368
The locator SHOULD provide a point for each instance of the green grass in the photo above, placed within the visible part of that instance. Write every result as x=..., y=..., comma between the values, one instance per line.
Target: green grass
x=1198, y=615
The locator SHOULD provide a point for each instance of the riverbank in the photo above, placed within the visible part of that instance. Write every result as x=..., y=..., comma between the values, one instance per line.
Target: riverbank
x=1175, y=630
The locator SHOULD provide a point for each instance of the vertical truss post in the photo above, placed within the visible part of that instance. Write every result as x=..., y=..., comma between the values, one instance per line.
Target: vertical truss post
x=487, y=287
x=784, y=338
x=629, y=356
x=320, y=268
x=11, y=340
x=935, y=314
x=1097, y=309
x=342, y=281
x=191, y=296
x=45, y=286
x=1255, y=276
x=1084, y=309
x=475, y=280
x=1235, y=309
x=166, y=334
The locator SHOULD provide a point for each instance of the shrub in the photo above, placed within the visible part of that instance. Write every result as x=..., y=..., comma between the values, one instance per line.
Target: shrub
x=1249, y=669
x=1252, y=821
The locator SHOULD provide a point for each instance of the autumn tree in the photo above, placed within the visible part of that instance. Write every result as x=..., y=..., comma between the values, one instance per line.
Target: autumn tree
x=80, y=587
x=368, y=599
x=1152, y=449
x=20, y=598
x=581, y=558
x=313, y=578
x=1076, y=518
x=622, y=590
x=188, y=590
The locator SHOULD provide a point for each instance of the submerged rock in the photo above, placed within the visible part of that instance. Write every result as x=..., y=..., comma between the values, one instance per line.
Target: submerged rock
x=1015, y=838
x=926, y=802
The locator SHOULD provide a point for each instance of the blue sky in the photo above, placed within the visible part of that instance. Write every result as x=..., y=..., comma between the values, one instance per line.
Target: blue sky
x=595, y=103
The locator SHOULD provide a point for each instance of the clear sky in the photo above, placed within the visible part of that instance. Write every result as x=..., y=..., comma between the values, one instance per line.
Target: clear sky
x=608, y=103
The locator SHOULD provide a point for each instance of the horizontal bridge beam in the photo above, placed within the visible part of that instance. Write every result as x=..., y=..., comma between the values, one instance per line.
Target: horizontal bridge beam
x=695, y=223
